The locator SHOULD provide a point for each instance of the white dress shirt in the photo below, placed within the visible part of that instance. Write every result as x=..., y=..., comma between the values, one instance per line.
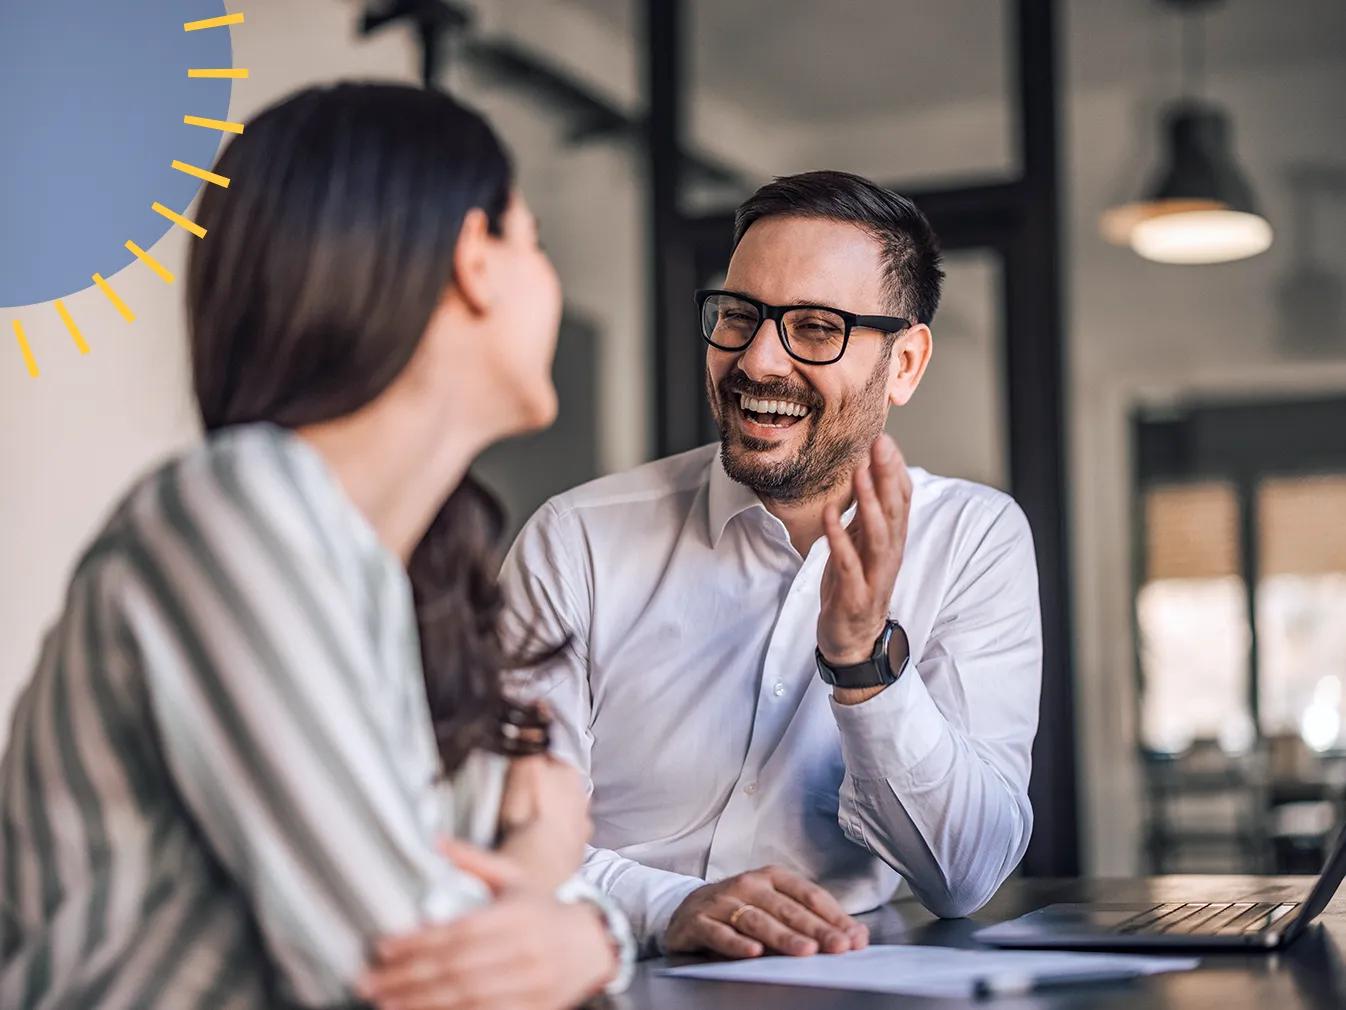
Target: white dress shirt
x=690, y=698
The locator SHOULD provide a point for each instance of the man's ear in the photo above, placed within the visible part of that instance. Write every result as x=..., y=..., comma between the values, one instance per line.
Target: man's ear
x=470, y=267
x=906, y=367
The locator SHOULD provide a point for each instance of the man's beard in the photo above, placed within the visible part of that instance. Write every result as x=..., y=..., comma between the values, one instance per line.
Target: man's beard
x=836, y=439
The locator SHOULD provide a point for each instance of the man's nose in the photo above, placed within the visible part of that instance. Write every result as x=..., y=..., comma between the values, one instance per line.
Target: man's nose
x=765, y=357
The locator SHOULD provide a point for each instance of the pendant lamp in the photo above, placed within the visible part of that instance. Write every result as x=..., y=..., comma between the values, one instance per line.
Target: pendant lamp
x=1199, y=208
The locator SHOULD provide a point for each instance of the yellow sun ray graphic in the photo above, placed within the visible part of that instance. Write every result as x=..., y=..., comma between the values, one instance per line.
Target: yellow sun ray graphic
x=228, y=19
x=213, y=124
x=114, y=298
x=212, y=178
x=164, y=273
x=202, y=174
x=182, y=222
x=25, y=350
x=75, y=334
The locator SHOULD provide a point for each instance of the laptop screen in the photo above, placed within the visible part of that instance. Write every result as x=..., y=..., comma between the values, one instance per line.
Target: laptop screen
x=1326, y=886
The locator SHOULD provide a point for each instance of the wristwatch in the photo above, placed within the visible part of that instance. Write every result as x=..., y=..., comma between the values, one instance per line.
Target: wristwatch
x=876, y=671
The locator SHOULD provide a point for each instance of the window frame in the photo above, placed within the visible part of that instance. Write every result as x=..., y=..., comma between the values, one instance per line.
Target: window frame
x=1241, y=443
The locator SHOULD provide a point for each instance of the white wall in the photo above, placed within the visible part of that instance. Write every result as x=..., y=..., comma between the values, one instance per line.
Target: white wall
x=589, y=201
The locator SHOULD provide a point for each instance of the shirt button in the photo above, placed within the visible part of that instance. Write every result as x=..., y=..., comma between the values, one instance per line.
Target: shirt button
x=778, y=688
x=750, y=788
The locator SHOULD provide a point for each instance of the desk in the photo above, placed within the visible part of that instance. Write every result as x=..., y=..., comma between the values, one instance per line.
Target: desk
x=1308, y=975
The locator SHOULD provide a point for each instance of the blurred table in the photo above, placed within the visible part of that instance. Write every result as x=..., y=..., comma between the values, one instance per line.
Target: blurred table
x=1308, y=975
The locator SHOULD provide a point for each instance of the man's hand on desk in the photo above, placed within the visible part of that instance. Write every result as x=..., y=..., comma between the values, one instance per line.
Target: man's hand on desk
x=771, y=909
x=857, y=584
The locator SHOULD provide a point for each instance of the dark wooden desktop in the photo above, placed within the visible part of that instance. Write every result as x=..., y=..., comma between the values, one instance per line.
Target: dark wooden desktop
x=1308, y=975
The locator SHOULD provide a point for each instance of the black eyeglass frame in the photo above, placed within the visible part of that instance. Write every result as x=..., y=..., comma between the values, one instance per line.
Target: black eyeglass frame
x=776, y=313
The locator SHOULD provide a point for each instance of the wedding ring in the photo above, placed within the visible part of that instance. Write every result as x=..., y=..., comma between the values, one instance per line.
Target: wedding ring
x=737, y=913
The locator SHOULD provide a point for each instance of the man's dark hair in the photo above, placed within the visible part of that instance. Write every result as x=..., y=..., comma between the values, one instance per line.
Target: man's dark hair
x=911, y=254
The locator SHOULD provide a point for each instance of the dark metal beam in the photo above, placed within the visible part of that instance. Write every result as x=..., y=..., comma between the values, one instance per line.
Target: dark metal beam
x=677, y=373
x=1035, y=373
x=976, y=214
x=979, y=214
x=587, y=115
x=1250, y=556
x=433, y=20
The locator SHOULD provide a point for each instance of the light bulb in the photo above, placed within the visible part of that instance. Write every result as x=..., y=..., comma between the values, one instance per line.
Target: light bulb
x=1201, y=236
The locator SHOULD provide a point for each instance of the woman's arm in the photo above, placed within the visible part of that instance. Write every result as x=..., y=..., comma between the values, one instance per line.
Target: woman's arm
x=580, y=951
x=253, y=652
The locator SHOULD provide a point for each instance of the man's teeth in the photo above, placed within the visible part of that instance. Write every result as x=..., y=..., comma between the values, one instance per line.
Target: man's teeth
x=785, y=407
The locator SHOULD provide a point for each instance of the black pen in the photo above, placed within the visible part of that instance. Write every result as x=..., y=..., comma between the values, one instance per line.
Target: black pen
x=1010, y=984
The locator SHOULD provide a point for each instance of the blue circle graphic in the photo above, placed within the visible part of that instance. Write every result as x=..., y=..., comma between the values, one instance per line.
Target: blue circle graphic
x=92, y=99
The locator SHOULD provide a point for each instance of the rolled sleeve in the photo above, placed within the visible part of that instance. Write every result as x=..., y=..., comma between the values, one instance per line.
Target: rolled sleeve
x=937, y=764
x=647, y=895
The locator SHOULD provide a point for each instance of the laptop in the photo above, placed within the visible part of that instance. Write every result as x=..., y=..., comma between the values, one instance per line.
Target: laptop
x=1169, y=925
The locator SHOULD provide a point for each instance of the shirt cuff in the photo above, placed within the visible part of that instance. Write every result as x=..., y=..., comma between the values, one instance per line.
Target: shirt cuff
x=648, y=895
x=891, y=732
x=661, y=914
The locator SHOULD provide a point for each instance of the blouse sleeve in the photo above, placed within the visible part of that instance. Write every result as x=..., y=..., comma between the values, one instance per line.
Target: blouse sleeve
x=254, y=650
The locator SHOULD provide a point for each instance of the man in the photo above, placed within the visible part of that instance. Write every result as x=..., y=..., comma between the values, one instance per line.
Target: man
x=797, y=670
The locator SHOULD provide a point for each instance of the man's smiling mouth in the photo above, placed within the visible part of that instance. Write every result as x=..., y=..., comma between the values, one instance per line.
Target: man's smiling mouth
x=772, y=413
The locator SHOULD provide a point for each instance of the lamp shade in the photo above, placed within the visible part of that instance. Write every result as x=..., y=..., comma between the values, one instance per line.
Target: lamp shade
x=1200, y=208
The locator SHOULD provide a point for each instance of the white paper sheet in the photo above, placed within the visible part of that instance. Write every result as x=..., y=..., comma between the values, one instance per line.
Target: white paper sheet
x=926, y=971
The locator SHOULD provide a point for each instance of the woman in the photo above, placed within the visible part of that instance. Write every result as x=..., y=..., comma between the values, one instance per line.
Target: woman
x=232, y=779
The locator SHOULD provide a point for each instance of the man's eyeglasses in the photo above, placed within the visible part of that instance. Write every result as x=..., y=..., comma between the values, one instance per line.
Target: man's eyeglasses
x=811, y=334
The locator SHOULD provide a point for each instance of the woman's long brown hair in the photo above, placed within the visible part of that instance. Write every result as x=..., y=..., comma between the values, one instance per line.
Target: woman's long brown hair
x=324, y=260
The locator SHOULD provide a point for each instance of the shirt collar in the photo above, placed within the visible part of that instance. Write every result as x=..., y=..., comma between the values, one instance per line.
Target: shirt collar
x=726, y=499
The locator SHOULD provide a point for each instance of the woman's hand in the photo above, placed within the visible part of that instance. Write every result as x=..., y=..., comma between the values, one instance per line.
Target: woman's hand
x=526, y=951
x=544, y=820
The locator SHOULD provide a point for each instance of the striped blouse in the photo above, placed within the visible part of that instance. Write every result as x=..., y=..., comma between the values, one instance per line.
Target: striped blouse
x=222, y=784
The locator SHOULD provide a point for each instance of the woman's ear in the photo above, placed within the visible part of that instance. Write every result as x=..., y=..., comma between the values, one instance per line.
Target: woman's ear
x=911, y=356
x=470, y=262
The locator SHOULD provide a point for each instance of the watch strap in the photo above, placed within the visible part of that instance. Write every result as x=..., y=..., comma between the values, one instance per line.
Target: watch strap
x=876, y=671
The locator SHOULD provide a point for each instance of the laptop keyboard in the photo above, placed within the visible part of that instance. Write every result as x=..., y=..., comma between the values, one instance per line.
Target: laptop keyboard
x=1207, y=918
